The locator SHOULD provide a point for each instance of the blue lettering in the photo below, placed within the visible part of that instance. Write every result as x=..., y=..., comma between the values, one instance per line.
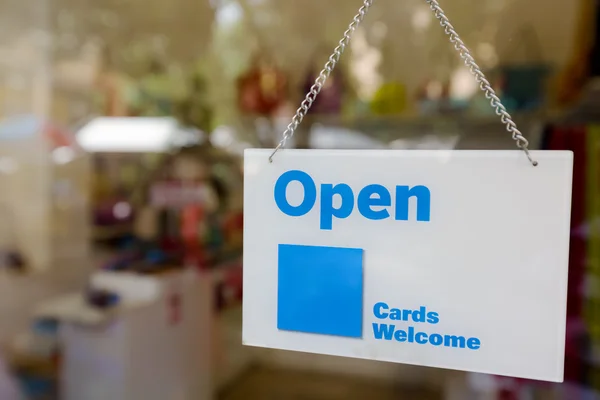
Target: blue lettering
x=473, y=343
x=373, y=202
x=419, y=315
x=366, y=202
x=327, y=209
x=409, y=334
x=383, y=331
x=423, y=196
x=377, y=310
x=396, y=314
x=436, y=339
x=433, y=317
x=400, y=335
x=310, y=193
x=421, y=338
x=454, y=341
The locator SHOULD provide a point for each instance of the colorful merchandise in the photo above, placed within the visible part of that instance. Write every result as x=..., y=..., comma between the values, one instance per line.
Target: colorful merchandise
x=262, y=90
x=329, y=101
x=523, y=85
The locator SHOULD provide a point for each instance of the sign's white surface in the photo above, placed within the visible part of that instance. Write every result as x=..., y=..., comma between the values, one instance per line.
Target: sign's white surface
x=450, y=259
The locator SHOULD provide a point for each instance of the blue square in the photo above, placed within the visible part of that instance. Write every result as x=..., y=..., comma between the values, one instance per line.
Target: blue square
x=320, y=290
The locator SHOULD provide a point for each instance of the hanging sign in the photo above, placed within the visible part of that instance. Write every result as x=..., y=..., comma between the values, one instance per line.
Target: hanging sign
x=450, y=259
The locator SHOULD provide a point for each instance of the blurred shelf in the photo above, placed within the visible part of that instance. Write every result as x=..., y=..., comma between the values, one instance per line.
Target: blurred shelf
x=111, y=232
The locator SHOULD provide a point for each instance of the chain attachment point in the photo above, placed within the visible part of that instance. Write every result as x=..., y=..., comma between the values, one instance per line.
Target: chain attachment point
x=484, y=84
x=521, y=142
x=323, y=75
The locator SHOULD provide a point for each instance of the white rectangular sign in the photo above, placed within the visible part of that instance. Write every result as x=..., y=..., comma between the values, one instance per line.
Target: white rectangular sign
x=450, y=259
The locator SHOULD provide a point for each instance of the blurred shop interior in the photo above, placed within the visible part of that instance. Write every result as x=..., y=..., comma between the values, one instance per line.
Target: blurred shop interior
x=122, y=130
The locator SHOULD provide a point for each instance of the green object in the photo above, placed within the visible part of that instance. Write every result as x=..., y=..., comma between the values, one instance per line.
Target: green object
x=390, y=99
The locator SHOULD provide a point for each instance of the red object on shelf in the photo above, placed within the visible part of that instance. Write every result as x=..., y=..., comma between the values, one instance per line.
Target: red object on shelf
x=234, y=282
x=233, y=224
x=228, y=284
x=262, y=90
x=191, y=218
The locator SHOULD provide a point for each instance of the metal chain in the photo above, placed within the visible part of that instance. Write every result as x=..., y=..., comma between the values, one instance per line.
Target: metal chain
x=320, y=81
x=484, y=84
x=521, y=142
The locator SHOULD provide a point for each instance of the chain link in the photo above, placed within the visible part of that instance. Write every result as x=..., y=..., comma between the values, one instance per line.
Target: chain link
x=320, y=81
x=484, y=84
x=521, y=142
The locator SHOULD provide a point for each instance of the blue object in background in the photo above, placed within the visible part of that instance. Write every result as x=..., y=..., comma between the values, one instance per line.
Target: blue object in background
x=46, y=326
x=20, y=127
x=524, y=86
x=320, y=290
x=37, y=387
x=156, y=256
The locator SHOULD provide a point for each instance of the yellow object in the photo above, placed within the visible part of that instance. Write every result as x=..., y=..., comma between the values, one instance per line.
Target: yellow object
x=390, y=99
x=101, y=187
